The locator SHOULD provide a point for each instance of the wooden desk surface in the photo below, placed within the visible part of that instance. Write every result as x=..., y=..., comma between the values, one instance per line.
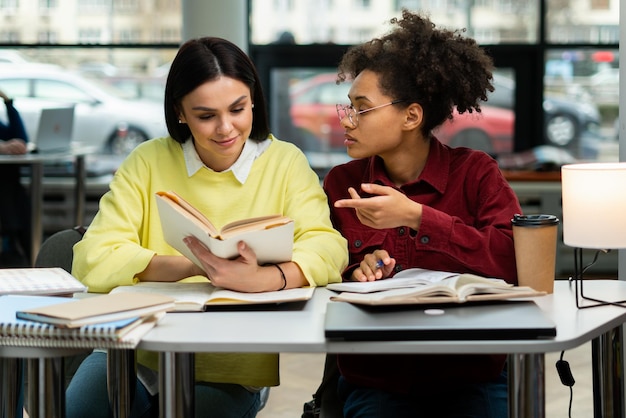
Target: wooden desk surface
x=527, y=175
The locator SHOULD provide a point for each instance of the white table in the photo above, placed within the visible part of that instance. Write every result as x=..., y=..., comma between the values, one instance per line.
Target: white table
x=36, y=162
x=302, y=330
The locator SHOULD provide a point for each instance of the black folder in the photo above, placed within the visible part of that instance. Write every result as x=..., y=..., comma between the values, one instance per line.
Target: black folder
x=480, y=321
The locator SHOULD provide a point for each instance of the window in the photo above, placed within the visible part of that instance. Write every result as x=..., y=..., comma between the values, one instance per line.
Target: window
x=570, y=105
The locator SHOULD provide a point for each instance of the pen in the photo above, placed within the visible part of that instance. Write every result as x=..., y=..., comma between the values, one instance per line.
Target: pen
x=379, y=264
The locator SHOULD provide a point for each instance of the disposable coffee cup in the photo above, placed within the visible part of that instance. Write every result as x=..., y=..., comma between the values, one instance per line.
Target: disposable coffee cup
x=535, y=239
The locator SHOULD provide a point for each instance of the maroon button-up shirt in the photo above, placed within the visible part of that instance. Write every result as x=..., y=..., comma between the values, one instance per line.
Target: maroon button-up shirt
x=465, y=228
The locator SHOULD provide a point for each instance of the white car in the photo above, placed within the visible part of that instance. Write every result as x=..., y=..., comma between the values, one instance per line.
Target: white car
x=102, y=118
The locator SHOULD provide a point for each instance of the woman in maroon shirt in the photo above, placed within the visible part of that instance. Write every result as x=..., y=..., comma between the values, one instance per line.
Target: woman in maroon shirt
x=407, y=200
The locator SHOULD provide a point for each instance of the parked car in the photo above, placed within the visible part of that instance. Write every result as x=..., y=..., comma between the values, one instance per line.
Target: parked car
x=314, y=116
x=604, y=86
x=565, y=120
x=491, y=130
x=103, y=118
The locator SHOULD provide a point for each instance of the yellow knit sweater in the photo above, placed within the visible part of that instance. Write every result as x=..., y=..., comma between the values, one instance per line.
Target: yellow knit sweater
x=126, y=233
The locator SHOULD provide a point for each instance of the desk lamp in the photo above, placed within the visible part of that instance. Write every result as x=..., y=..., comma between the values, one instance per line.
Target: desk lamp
x=594, y=215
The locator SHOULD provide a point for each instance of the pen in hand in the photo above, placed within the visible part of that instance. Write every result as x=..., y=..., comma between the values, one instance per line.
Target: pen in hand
x=380, y=264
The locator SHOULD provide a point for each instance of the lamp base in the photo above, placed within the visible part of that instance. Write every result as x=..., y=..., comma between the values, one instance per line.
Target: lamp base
x=578, y=287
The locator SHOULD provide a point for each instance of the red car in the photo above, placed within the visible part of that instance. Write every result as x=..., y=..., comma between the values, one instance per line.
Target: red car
x=314, y=116
x=491, y=130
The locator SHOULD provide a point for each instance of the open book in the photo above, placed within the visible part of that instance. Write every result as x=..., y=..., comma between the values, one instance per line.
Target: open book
x=196, y=296
x=436, y=287
x=271, y=237
x=124, y=333
x=98, y=309
x=406, y=278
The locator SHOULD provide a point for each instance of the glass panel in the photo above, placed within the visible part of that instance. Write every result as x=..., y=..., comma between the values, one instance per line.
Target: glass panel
x=117, y=93
x=350, y=22
x=584, y=83
x=90, y=21
x=595, y=22
x=303, y=111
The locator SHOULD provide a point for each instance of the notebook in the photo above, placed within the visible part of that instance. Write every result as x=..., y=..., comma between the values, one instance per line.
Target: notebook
x=480, y=321
x=54, y=133
x=23, y=333
x=39, y=281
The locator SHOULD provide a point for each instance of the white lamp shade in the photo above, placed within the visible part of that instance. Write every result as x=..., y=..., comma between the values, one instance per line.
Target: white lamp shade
x=594, y=205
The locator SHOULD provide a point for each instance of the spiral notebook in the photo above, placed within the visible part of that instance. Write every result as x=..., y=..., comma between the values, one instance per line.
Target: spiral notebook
x=16, y=332
x=39, y=281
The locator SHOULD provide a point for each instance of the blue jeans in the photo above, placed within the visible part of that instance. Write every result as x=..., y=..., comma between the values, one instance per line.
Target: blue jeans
x=86, y=396
x=485, y=400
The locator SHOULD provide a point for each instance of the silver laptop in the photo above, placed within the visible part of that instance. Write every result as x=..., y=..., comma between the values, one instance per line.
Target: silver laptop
x=54, y=133
x=471, y=321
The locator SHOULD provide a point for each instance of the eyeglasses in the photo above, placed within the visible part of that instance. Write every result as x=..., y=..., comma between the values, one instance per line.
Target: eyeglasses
x=353, y=114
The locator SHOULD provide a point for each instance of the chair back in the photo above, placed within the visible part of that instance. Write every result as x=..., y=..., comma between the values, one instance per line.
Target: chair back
x=58, y=249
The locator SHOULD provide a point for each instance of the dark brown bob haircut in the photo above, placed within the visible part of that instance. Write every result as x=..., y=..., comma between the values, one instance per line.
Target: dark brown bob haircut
x=206, y=59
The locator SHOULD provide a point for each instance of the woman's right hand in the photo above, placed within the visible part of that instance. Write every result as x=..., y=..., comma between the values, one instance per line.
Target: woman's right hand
x=375, y=266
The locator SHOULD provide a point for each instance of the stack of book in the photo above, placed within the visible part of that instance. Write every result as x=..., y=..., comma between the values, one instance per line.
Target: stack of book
x=102, y=321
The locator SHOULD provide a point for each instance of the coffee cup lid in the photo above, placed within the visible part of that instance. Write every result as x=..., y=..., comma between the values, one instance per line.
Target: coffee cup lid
x=534, y=220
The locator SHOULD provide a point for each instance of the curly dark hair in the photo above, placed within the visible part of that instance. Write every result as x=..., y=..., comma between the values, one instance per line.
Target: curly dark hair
x=419, y=63
x=205, y=59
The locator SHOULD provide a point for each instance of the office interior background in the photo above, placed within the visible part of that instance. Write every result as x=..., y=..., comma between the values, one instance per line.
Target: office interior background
x=556, y=79
x=557, y=92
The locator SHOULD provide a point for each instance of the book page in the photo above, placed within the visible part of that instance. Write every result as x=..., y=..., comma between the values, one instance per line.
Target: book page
x=188, y=296
x=193, y=296
x=251, y=224
x=174, y=198
x=406, y=278
x=229, y=297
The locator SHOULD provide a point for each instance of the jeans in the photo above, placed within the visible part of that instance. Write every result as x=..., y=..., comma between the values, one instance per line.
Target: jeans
x=479, y=400
x=86, y=396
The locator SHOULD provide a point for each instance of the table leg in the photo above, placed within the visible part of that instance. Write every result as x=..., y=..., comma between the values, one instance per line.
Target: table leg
x=46, y=388
x=36, y=212
x=121, y=381
x=526, y=385
x=176, y=385
x=11, y=372
x=80, y=173
x=608, y=374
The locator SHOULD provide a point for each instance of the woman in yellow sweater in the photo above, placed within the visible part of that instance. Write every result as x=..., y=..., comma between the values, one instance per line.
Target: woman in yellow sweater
x=221, y=157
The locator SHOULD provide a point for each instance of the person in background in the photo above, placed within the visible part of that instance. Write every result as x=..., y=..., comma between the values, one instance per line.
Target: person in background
x=15, y=205
x=407, y=200
x=221, y=158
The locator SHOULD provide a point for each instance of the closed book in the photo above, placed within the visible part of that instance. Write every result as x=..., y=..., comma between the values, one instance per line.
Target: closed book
x=197, y=296
x=271, y=236
x=16, y=332
x=98, y=309
x=39, y=281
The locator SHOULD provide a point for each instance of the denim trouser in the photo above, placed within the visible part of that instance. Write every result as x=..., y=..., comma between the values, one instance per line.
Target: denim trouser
x=484, y=400
x=86, y=396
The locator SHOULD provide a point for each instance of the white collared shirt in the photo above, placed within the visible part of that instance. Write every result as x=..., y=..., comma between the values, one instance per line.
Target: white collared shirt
x=241, y=168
